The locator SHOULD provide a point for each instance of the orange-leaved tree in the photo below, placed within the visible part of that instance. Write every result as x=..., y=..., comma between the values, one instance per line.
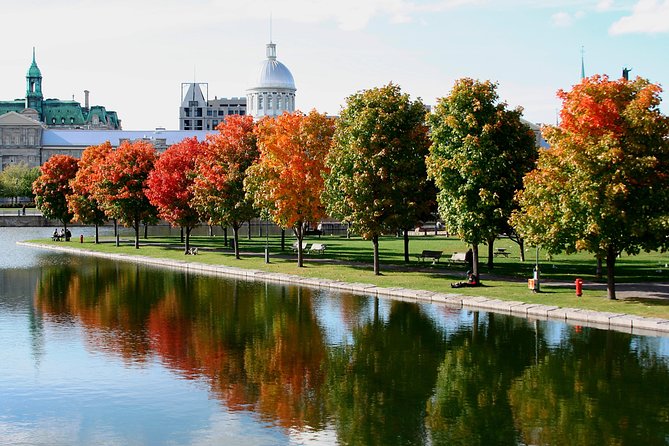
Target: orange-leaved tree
x=81, y=203
x=287, y=181
x=52, y=187
x=121, y=189
x=221, y=168
x=170, y=185
x=603, y=187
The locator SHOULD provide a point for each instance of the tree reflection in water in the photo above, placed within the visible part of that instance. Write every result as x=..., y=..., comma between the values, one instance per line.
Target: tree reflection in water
x=397, y=377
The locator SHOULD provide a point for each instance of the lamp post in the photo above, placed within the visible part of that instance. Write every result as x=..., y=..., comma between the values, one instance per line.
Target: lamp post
x=537, y=285
x=267, y=240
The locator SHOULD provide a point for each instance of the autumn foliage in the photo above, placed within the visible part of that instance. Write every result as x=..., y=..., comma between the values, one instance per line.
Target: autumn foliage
x=81, y=202
x=603, y=186
x=52, y=187
x=169, y=186
x=218, y=189
x=287, y=180
x=121, y=189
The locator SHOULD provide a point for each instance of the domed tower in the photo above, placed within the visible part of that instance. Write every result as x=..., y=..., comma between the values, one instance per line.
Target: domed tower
x=274, y=92
x=34, y=96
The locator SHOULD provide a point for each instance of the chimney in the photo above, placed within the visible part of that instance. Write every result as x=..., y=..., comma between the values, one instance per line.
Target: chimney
x=86, y=92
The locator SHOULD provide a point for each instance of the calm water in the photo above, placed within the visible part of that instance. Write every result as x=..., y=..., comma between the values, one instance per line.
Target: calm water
x=97, y=352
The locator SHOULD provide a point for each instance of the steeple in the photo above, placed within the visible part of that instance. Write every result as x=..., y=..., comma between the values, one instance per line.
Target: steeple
x=34, y=87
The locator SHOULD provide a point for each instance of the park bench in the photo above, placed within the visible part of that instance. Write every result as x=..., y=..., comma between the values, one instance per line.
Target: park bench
x=427, y=254
x=501, y=252
x=305, y=246
x=318, y=248
x=458, y=257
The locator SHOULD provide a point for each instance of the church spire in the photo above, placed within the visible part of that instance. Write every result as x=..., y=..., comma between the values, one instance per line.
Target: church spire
x=582, y=63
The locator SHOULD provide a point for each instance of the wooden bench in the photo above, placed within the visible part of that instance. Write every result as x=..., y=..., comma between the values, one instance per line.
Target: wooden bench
x=318, y=248
x=458, y=257
x=501, y=252
x=427, y=254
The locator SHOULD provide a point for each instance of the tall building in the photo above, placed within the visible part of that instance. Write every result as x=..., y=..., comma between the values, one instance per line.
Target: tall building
x=56, y=113
x=274, y=92
x=200, y=113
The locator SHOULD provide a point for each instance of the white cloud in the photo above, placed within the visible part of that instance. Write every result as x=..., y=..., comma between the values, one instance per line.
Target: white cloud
x=648, y=16
x=604, y=5
x=562, y=19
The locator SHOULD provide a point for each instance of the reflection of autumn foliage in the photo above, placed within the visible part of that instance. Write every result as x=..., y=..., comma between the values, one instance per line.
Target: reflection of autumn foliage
x=259, y=351
x=594, y=391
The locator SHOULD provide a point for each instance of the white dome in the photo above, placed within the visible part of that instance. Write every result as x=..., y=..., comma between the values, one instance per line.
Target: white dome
x=274, y=74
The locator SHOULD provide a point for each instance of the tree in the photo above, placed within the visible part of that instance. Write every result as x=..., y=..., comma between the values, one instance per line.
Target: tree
x=603, y=187
x=218, y=189
x=170, y=185
x=287, y=180
x=81, y=202
x=479, y=154
x=17, y=180
x=377, y=163
x=122, y=184
x=52, y=187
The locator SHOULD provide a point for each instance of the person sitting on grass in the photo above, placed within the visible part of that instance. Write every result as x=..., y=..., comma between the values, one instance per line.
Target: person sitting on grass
x=472, y=280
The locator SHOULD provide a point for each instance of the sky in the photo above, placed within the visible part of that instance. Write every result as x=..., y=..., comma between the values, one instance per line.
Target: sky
x=134, y=55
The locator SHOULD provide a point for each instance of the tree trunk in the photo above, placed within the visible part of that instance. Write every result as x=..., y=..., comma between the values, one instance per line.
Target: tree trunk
x=475, y=261
x=211, y=230
x=598, y=270
x=182, y=234
x=283, y=239
x=146, y=231
x=491, y=252
x=611, y=255
x=521, y=245
x=97, y=233
x=116, y=228
x=375, y=241
x=248, y=234
x=187, y=244
x=225, y=235
x=300, y=236
x=136, y=227
x=235, y=239
x=406, y=245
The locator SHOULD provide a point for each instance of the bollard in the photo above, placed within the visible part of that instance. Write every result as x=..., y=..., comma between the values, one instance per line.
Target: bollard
x=579, y=287
x=81, y=238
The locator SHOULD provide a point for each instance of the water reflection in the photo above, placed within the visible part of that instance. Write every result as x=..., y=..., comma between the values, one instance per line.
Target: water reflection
x=359, y=370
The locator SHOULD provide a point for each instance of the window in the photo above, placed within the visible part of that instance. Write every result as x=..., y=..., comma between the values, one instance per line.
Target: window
x=198, y=112
x=260, y=103
x=269, y=102
x=208, y=112
x=187, y=123
x=242, y=112
x=214, y=124
x=187, y=112
x=221, y=113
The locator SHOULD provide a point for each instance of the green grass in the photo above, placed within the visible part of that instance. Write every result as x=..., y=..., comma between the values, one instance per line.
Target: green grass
x=350, y=260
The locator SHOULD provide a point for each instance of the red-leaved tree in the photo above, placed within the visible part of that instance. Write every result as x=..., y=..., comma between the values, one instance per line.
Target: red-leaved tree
x=287, y=180
x=170, y=185
x=81, y=202
x=219, y=186
x=121, y=189
x=52, y=187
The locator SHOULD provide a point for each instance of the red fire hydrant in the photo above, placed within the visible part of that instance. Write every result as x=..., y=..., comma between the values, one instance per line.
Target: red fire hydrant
x=579, y=287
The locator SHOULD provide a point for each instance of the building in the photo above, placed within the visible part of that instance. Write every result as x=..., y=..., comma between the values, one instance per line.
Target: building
x=25, y=140
x=274, y=91
x=199, y=113
x=272, y=94
x=56, y=113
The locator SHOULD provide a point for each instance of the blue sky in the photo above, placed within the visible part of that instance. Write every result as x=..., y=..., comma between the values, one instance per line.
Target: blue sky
x=133, y=56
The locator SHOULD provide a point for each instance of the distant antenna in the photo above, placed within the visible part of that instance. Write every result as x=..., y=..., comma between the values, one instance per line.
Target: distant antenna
x=582, y=62
x=270, y=27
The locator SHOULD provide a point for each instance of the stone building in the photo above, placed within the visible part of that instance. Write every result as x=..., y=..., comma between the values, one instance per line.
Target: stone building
x=56, y=113
x=199, y=113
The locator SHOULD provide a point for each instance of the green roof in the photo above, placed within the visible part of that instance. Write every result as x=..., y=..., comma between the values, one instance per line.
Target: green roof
x=55, y=111
x=16, y=106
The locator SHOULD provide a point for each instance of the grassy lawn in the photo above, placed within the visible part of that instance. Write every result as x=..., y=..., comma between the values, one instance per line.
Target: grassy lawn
x=350, y=260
